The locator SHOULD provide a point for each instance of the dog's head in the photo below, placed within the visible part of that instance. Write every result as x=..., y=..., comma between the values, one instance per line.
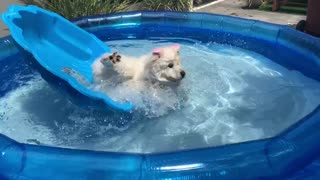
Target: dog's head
x=165, y=65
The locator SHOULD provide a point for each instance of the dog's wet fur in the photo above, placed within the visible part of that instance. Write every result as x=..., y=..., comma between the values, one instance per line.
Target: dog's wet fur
x=162, y=66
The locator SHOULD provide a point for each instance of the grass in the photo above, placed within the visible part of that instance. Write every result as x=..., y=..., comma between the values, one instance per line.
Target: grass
x=286, y=9
x=168, y=5
x=77, y=8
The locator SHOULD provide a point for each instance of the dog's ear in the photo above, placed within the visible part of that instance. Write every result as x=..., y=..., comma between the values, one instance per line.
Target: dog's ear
x=157, y=52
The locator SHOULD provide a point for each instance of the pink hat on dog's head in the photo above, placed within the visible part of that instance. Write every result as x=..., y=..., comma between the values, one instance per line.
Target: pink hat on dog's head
x=176, y=46
x=156, y=51
x=159, y=52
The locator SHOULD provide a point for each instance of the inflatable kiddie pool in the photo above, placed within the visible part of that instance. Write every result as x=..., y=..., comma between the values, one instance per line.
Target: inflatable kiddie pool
x=291, y=154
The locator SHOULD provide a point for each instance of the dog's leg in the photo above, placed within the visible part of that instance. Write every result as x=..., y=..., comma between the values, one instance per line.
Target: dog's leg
x=124, y=66
x=136, y=85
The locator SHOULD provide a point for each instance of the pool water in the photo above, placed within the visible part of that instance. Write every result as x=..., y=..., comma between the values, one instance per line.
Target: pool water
x=229, y=95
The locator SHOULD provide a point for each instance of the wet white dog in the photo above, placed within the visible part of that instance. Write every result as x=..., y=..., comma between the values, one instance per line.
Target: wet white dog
x=162, y=66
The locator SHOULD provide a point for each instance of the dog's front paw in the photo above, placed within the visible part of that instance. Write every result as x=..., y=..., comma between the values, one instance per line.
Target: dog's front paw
x=113, y=58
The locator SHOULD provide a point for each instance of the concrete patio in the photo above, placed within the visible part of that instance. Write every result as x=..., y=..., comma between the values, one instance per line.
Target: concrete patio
x=3, y=7
x=233, y=8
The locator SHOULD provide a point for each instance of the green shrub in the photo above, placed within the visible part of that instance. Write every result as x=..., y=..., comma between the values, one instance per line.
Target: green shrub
x=168, y=5
x=197, y=2
x=77, y=8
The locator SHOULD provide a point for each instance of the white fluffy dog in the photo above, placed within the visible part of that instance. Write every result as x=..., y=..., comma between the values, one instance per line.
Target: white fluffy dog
x=163, y=66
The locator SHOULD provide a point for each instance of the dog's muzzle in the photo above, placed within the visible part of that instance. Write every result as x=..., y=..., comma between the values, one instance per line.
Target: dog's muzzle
x=183, y=74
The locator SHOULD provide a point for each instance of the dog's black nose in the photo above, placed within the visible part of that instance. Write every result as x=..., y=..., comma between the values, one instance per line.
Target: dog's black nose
x=183, y=74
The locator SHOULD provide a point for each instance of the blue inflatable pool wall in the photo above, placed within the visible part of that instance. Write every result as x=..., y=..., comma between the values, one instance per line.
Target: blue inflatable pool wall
x=290, y=155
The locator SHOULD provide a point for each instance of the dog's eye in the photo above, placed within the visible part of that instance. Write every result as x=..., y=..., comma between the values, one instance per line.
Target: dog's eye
x=170, y=65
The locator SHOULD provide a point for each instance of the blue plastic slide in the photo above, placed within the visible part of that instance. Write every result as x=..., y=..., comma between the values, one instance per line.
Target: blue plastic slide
x=56, y=44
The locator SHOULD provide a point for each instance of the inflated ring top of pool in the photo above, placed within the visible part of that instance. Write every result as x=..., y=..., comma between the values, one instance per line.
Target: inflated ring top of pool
x=275, y=158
